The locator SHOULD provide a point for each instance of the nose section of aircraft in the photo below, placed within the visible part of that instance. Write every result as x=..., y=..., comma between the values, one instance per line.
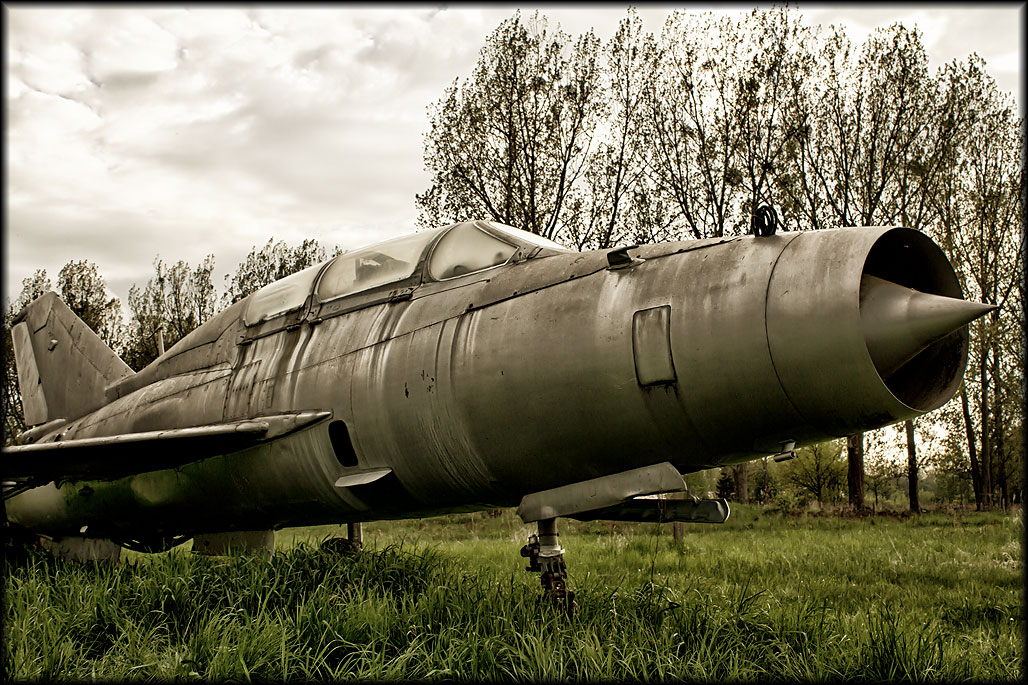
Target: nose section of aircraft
x=900, y=322
x=867, y=326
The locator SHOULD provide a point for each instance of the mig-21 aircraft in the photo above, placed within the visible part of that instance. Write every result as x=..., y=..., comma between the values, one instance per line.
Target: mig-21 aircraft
x=479, y=366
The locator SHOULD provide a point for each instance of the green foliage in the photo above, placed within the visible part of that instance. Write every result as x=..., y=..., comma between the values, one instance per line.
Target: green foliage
x=83, y=289
x=14, y=415
x=763, y=597
x=726, y=485
x=818, y=471
x=881, y=477
x=172, y=304
x=509, y=143
x=766, y=487
x=269, y=264
x=981, y=227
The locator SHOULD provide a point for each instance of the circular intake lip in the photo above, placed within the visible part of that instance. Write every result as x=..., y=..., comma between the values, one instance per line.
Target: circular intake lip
x=907, y=260
x=817, y=338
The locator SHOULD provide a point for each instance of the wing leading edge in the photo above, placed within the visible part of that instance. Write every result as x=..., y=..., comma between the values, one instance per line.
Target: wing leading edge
x=117, y=456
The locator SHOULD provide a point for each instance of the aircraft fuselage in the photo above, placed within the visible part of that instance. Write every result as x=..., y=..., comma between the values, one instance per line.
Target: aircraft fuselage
x=472, y=391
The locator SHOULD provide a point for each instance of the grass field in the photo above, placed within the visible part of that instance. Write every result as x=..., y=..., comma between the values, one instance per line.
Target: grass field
x=765, y=596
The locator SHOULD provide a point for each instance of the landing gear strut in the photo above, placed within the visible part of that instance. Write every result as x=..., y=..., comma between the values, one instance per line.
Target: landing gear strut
x=351, y=544
x=546, y=558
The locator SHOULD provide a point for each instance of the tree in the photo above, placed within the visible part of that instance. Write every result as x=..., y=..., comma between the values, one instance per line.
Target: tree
x=980, y=209
x=741, y=482
x=880, y=475
x=14, y=415
x=510, y=143
x=690, y=124
x=882, y=450
x=912, y=470
x=881, y=157
x=894, y=449
x=34, y=286
x=869, y=136
x=766, y=483
x=725, y=488
x=600, y=208
x=269, y=264
x=818, y=470
x=773, y=60
x=952, y=469
x=855, y=470
x=816, y=153
x=892, y=111
x=171, y=305
x=84, y=291
x=872, y=116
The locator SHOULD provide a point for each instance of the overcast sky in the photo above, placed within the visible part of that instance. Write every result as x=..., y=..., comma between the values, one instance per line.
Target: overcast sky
x=153, y=131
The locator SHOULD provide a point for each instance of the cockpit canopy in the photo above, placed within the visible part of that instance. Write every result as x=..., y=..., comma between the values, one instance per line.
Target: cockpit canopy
x=366, y=268
x=440, y=254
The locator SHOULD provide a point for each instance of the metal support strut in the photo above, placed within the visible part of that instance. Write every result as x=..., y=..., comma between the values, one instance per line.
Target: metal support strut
x=351, y=544
x=355, y=535
x=546, y=557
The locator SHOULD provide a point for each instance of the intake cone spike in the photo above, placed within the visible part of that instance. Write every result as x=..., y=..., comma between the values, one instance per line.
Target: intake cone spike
x=899, y=322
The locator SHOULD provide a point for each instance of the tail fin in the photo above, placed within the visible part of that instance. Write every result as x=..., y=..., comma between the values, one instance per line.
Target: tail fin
x=63, y=366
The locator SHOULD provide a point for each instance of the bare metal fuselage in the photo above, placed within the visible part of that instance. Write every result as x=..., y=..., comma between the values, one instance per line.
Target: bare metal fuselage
x=472, y=392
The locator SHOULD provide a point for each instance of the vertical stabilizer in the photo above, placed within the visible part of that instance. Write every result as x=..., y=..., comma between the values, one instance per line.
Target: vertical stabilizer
x=63, y=366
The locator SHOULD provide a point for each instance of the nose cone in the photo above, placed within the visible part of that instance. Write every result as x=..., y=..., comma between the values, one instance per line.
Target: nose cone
x=900, y=322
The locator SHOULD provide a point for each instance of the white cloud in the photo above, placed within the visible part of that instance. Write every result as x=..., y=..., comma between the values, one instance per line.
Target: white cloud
x=183, y=132
x=1007, y=63
x=129, y=43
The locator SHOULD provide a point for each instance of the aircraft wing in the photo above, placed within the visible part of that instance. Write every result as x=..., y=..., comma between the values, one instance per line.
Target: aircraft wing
x=116, y=456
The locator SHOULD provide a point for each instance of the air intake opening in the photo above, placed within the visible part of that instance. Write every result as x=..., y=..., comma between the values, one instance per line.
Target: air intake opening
x=339, y=434
x=908, y=258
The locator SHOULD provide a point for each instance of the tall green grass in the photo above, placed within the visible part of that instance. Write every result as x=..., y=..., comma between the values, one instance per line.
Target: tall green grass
x=938, y=597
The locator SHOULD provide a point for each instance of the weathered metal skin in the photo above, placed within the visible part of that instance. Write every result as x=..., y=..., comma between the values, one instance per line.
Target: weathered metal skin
x=480, y=389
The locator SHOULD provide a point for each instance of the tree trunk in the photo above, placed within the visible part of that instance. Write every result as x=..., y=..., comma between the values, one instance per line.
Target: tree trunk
x=976, y=474
x=677, y=527
x=986, y=442
x=767, y=487
x=999, y=462
x=741, y=474
x=915, y=504
x=855, y=473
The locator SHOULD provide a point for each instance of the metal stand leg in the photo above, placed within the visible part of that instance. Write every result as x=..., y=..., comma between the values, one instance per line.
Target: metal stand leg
x=355, y=535
x=546, y=557
x=351, y=544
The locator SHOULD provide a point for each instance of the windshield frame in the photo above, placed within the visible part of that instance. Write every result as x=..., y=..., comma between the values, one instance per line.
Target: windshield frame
x=316, y=309
x=414, y=278
x=522, y=237
x=249, y=318
x=479, y=226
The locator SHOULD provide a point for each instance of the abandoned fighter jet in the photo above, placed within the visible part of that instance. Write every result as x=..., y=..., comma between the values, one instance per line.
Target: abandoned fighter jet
x=478, y=366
